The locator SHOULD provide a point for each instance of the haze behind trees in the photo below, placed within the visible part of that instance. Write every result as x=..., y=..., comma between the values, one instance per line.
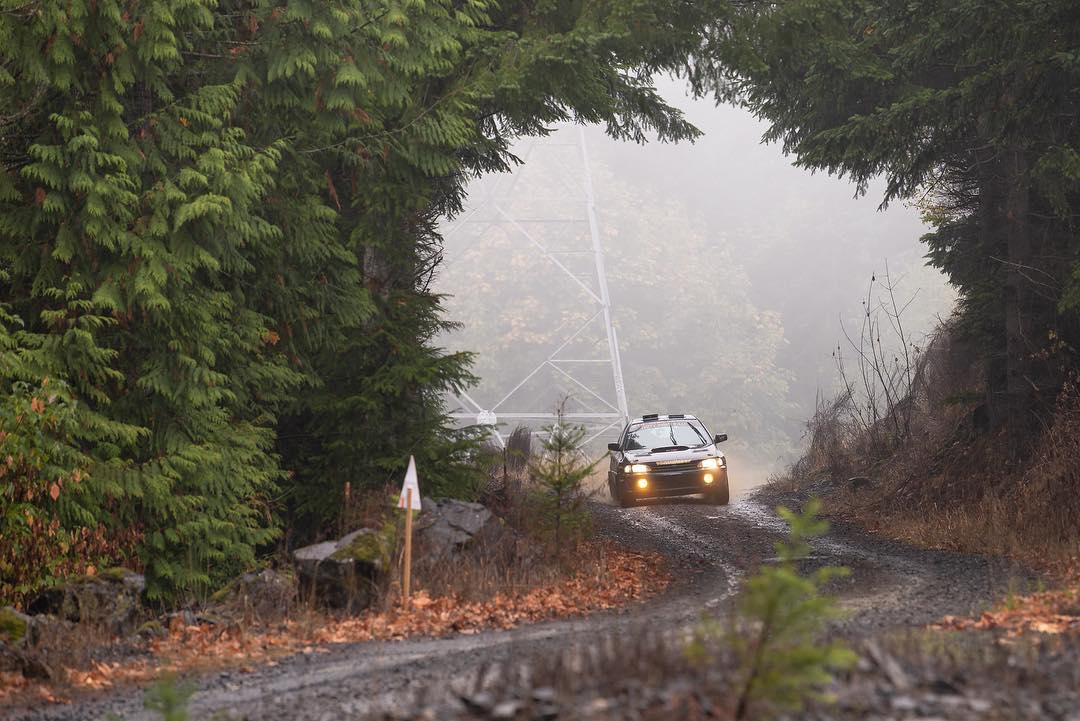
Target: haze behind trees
x=731, y=273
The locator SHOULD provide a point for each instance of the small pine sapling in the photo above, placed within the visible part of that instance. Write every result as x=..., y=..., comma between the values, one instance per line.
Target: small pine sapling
x=782, y=660
x=560, y=470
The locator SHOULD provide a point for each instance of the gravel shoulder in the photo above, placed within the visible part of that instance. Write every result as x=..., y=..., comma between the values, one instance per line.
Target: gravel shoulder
x=709, y=549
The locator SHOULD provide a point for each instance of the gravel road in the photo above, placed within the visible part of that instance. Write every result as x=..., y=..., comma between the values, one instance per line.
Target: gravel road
x=709, y=549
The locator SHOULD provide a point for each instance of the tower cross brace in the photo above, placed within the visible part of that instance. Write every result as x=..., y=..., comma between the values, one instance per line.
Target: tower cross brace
x=609, y=398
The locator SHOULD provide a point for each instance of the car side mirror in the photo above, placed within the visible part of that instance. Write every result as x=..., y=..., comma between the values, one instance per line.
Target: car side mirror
x=720, y=438
x=613, y=446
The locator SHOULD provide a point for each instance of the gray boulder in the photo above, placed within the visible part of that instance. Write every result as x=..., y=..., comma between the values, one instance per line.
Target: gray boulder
x=447, y=526
x=341, y=573
x=14, y=632
x=18, y=635
x=111, y=599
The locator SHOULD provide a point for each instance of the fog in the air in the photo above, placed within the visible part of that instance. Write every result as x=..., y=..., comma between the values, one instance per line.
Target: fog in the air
x=729, y=271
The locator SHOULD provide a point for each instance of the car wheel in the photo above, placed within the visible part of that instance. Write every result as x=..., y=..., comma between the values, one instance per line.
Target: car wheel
x=719, y=496
x=623, y=497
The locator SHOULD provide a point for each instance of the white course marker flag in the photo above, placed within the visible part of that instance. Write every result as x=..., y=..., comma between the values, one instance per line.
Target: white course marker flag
x=410, y=501
x=411, y=483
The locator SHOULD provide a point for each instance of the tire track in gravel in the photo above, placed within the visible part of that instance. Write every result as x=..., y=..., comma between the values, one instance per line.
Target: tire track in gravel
x=657, y=524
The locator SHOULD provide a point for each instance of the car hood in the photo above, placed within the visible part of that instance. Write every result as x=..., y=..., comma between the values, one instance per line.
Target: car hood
x=691, y=454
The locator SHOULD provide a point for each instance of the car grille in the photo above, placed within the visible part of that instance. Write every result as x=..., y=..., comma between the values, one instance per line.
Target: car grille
x=682, y=466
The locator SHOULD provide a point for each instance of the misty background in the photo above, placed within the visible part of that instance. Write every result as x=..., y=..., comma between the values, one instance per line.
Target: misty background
x=730, y=274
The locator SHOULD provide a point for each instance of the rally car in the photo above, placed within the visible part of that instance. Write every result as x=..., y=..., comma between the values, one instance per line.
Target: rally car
x=671, y=455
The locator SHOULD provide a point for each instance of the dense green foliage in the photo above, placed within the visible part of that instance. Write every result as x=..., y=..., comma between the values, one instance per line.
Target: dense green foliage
x=969, y=108
x=217, y=229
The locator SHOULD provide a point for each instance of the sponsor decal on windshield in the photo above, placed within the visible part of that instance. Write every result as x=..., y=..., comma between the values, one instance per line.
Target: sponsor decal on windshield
x=653, y=424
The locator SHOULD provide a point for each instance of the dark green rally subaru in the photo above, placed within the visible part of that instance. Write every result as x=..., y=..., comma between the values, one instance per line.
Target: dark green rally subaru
x=670, y=455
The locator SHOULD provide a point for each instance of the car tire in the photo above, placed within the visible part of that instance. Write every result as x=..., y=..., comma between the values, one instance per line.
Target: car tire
x=623, y=497
x=720, y=495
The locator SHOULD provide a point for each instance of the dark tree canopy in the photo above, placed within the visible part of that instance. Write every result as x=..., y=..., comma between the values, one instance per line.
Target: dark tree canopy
x=970, y=109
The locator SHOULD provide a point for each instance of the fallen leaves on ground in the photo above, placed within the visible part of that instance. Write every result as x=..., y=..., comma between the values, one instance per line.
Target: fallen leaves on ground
x=1051, y=612
x=629, y=577
x=619, y=578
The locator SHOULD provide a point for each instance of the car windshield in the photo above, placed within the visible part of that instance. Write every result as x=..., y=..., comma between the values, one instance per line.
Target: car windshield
x=654, y=435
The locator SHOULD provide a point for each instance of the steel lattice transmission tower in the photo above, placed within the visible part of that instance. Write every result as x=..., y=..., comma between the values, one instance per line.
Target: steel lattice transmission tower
x=524, y=266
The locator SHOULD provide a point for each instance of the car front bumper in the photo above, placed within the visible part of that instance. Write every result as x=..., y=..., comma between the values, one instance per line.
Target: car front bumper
x=673, y=483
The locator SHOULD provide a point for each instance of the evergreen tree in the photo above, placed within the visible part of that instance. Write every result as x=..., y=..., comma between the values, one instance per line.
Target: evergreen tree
x=965, y=107
x=217, y=229
x=560, y=470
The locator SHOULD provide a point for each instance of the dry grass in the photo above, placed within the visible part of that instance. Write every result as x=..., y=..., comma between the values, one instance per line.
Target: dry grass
x=966, y=497
x=54, y=649
x=510, y=559
x=950, y=483
x=505, y=562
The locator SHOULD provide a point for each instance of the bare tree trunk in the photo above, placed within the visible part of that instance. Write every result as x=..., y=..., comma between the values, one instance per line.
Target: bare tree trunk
x=1018, y=307
x=991, y=213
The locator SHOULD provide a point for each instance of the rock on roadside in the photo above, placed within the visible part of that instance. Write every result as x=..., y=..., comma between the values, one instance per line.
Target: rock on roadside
x=111, y=599
x=17, y=634
x=447, y=526
x=341, y=573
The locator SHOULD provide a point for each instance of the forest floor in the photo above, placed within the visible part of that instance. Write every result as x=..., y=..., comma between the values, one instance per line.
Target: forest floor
x=898, y=602
x=601, y=576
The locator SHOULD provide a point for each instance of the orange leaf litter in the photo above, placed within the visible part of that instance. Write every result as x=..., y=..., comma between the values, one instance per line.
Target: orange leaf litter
x=628, y=577
x=1051, y=612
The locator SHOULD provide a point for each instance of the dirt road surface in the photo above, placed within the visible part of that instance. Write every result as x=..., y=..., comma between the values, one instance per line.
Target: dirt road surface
x=709, y=549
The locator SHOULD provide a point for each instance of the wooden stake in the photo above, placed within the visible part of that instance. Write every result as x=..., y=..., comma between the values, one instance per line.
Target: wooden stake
x=408, y=547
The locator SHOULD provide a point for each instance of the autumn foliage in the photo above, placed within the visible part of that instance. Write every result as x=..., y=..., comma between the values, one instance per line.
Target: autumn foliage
x=42, y=536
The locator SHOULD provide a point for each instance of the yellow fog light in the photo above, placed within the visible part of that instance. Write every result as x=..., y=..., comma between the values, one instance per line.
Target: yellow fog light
x=643, y=483
x=639, y=468
x=708, y=478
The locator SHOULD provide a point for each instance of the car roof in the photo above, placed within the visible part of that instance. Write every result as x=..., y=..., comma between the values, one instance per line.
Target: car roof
x=658, y=417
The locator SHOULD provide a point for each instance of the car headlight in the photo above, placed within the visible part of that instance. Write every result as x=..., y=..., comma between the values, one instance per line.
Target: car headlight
x=639, y=468
x=709, y=464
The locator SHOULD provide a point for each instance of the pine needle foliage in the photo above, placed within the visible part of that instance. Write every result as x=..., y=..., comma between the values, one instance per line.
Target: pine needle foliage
x=782, y=658
x=560, y=470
